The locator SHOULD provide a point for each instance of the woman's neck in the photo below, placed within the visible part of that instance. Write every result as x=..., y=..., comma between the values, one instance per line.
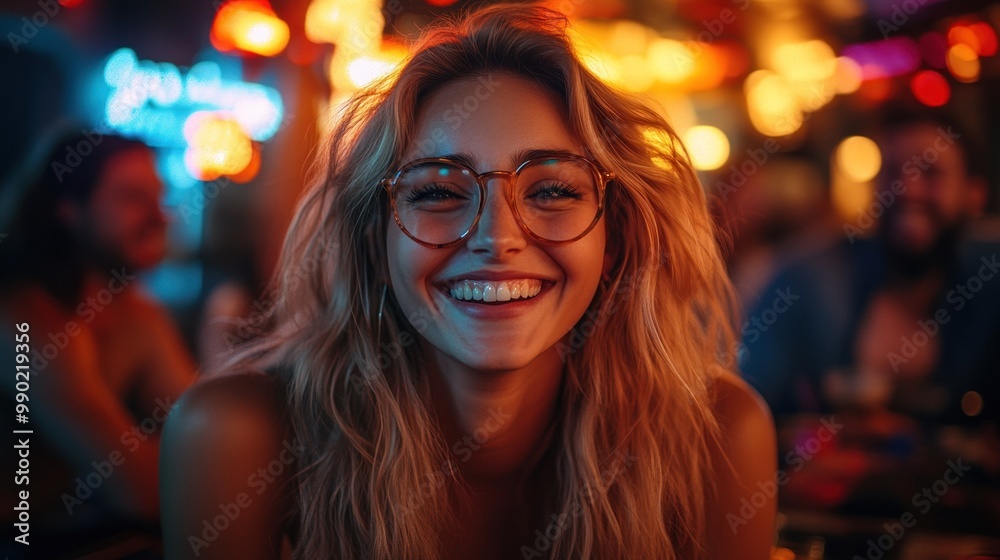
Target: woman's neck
x=497, y=425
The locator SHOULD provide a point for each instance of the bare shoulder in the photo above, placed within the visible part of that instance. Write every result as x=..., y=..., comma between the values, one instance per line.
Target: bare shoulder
x=233, y=418
x=740, y=408
x=741, y=509
x=248, y=393
x=227, y=465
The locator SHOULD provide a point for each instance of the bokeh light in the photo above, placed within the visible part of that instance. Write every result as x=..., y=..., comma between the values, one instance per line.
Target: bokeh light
x=216, y=146
x=250, y=26
x=987, y=38
x=930, y=88
x=963, y=63
x=772, y=104
x=708, y=147
x=858, y=158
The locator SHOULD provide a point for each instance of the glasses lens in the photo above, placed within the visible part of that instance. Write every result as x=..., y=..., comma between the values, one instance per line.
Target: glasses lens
x=436, y=202
x=558, y=199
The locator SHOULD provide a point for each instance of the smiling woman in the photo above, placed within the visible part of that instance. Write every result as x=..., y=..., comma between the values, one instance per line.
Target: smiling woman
x=513, y=350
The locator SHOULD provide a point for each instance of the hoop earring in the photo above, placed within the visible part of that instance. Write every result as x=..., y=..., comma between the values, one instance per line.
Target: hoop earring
x=381, y=307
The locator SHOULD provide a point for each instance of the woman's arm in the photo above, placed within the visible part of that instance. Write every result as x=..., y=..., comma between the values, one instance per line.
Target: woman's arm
x=226, y=467
x=741, y=511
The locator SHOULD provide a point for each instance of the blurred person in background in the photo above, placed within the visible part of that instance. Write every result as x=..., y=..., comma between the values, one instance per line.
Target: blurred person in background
x=106, y=360
x=894, y=327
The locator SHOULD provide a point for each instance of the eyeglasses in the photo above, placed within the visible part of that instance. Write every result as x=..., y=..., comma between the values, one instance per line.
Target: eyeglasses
x=437, y=202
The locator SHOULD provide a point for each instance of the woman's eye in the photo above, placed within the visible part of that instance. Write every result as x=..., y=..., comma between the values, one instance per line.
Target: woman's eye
x=554, y=191
x=433, y=192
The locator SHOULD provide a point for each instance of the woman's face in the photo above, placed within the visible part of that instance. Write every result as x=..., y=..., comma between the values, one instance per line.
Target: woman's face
x=491, y=120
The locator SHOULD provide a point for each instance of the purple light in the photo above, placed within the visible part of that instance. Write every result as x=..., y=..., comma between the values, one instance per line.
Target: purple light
x=883, y=59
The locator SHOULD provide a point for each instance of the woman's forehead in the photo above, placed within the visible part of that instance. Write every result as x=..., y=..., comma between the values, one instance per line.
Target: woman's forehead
x=492, y=118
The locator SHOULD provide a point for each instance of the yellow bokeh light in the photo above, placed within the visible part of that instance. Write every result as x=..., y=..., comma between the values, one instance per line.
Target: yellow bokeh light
x=354, y=25
x=772, y=104
x=858, y=158
x=963, y=63
x=216, y=146
x=847, y=76
x=628, y=37
x=849, y=198
x=708, y=147
x=636, y=74
x=670, y=61
x=807, y=61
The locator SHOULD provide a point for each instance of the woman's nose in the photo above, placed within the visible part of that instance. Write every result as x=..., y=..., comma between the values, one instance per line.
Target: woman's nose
x=498, y=231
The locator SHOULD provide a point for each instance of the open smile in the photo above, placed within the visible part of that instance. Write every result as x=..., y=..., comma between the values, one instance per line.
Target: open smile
x=489, y=291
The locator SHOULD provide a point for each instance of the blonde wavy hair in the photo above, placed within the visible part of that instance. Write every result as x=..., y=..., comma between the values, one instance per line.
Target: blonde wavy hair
x=639, y=364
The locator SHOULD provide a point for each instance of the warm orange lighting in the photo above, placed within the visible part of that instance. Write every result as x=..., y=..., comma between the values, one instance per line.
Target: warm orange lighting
x=963, y=63
x=250, y=26
x=441, y=3
x=216, y=146
x=987, y=38
x=847, y=76
x=708, y=147
x=250, y=171
x=878, y=89
x=962, y=35
x=858, y=158
x=670, y=61
x=772, y=104
x=930, y=88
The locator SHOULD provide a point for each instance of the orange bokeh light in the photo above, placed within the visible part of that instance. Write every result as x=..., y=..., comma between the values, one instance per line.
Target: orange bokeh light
x=250, y=26
x=987, y=38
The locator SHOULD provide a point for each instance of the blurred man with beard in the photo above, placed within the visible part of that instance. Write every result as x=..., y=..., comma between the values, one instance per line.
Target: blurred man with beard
x=903, y=320
x=106, y=362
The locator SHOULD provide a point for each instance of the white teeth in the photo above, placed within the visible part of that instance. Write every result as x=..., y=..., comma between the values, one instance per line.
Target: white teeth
x=481, y=290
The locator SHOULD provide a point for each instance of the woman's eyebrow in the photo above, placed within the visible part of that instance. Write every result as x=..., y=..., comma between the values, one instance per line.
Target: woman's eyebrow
x=518, y=157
